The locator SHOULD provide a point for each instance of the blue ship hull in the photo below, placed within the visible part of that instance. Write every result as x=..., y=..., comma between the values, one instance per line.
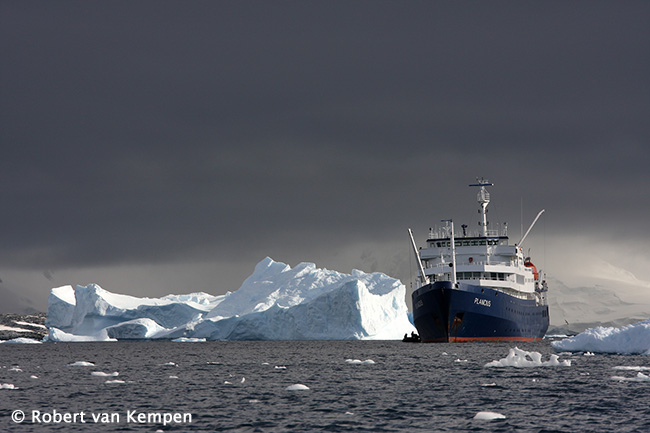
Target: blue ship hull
x=473, y=313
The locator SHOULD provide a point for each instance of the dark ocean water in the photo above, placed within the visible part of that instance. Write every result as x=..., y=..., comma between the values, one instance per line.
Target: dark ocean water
x=410, y=387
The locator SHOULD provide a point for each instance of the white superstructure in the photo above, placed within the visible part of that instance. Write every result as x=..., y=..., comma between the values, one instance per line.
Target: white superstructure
x=484, y=259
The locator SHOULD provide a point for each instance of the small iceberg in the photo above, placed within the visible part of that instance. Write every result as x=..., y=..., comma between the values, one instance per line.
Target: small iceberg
x=640, y=377
x=488, y=416
x=521, y=358
x=8, y=386
x=358, y=361
x=297, y=387
x=114, y=381
x=81, y=364
x=629, y=340
x=102, y=374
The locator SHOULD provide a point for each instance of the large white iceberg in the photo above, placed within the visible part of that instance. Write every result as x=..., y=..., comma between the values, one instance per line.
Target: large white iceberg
x=276, y=302
x=628, y=340
x=90, y=313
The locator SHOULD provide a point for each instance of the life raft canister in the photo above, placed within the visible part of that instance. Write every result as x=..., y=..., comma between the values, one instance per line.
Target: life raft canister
x=529, y=264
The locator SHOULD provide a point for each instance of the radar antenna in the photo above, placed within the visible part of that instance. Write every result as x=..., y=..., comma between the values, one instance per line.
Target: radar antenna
x=483, y=198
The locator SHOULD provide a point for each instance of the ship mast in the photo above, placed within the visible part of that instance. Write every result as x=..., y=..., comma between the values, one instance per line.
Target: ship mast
x=453, y=251
x=483, y=198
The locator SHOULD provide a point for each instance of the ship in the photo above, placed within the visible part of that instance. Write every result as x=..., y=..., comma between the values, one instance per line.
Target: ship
x=478, y=286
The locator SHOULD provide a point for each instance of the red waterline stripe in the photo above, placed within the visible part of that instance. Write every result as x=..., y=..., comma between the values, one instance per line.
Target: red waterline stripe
x=468, y=339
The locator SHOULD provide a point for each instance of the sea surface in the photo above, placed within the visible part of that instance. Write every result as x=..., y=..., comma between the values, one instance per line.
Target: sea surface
x=241, y=386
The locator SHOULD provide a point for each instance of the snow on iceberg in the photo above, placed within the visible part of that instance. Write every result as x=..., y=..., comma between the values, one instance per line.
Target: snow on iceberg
x=275, y=303
x=521, y=358
x=136, y=329
x=628, y=340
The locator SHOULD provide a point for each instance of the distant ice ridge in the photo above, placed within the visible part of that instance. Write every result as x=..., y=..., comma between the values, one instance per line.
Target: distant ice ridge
x=628, y=340
x=275, y=303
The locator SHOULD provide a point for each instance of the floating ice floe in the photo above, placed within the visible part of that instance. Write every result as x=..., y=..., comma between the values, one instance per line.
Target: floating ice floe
x=488, y=416
x=169, y=364
x=16, y=369
x=81, y=364
x=358, y=361
x=188, y=340
x=102, y=374
x=8, y=386
x=276, y=302
x=21, y=340
x=13, y=329
x=297, y=387
x=521, y=358
x=629, y=340
x=115, y=381
x=35, y=325
x=640, y=377
x=631, y=367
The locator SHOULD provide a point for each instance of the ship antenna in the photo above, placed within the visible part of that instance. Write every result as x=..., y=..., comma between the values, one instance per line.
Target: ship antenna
x=483, y=198
x=531, y=227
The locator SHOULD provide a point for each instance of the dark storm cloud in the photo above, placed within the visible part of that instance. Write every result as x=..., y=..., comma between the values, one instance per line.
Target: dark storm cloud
x=166, y=131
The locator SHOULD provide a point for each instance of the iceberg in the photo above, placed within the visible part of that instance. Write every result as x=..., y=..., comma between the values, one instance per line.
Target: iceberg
x=521, y=358
x=276, y=302
x=629, y=340
x=488, y=416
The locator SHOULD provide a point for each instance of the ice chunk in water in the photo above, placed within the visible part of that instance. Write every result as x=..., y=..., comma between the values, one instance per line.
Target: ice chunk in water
x=297, y=387
x=488, y=416
x=521, y=358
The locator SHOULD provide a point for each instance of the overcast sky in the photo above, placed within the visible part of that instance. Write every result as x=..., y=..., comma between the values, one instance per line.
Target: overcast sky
x=162, y=147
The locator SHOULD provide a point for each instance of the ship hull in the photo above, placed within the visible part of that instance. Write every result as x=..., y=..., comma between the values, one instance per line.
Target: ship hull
x=472, y=313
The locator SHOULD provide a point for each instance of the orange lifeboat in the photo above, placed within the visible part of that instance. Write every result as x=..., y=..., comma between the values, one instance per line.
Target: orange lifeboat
x=529, y=264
